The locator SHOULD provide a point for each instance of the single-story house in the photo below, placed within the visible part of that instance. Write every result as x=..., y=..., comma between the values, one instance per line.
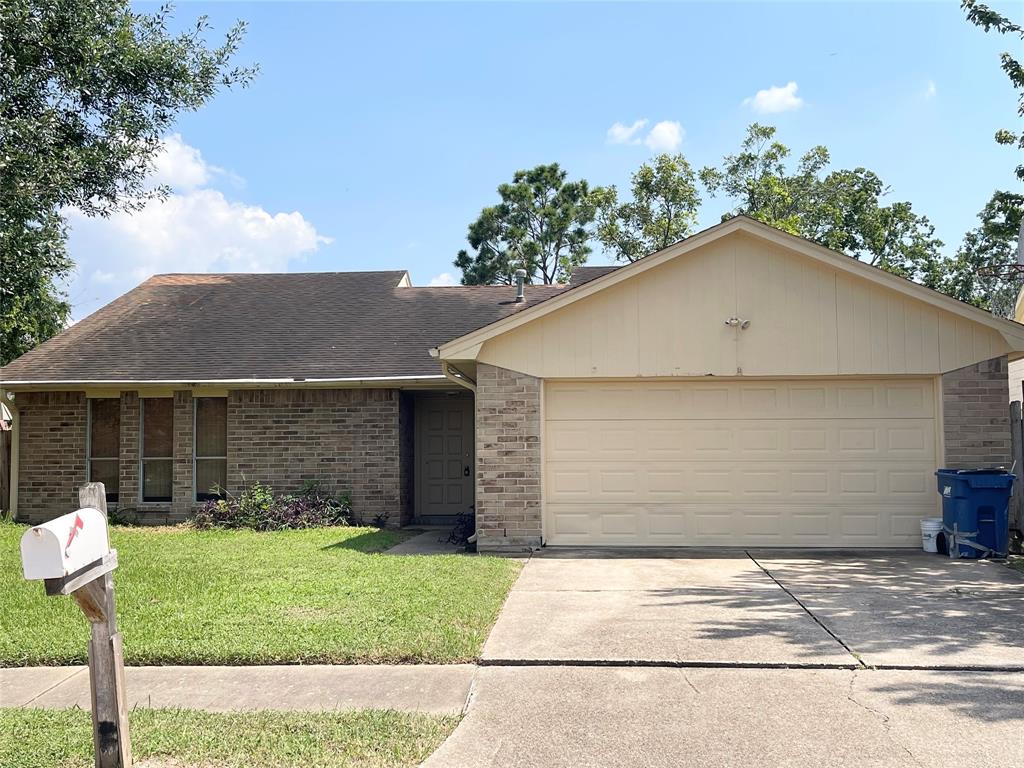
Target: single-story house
x=743, y=387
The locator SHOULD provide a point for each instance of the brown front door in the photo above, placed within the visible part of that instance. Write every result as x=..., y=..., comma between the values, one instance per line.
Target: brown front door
x=444, y=455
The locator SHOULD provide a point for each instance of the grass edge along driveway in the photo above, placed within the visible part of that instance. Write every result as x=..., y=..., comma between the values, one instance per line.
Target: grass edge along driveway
x=39, y=738
x=323, y=595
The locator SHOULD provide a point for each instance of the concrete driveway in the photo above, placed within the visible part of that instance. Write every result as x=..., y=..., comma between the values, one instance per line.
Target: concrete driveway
x=750, y=658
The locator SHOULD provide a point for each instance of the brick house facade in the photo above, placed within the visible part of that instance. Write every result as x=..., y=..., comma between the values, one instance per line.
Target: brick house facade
x=352, y=441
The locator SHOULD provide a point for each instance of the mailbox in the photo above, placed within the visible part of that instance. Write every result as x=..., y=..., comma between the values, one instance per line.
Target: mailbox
x=63, y=546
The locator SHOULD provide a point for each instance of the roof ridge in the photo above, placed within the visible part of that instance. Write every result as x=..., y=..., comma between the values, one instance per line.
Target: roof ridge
x=280, y=274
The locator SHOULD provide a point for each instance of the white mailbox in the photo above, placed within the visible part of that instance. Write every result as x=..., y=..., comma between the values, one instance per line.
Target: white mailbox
x=63, y=546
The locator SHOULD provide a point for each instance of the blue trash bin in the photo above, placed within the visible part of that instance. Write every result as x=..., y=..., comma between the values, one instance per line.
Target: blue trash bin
x=976, y=511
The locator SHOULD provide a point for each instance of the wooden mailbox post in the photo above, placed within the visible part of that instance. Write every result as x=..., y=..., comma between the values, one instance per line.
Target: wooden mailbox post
x=72, y=556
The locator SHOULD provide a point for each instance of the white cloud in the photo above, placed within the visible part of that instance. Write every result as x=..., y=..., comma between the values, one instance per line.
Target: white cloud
x=666, y=136
x=626, y=134
x=930, y=90
x=180, y=166
x=196, y=229
x=775, y=99
x=445, y=278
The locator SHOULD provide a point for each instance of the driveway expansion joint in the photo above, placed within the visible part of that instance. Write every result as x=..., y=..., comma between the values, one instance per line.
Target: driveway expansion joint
x=808, y=611
x=662, y=664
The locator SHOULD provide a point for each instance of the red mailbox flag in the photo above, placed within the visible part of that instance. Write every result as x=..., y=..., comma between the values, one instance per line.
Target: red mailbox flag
x=78, y=525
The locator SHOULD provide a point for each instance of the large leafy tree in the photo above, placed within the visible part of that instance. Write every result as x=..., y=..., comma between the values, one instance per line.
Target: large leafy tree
x=87, y=90
x=841, y=209
x=662, y=211
x=982, y=270
x=757, y=180
x=542, y=224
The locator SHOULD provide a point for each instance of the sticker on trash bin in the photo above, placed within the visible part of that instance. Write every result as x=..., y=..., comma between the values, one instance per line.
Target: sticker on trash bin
x=947, y=490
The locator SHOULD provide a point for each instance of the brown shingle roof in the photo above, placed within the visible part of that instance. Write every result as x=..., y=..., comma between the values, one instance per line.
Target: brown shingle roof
x=268, y=326
x=583, y=275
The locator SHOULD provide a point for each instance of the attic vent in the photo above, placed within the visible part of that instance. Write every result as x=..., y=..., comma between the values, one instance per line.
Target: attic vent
x=520, y=285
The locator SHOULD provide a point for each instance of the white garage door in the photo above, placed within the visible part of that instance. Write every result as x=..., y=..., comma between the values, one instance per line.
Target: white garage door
x=750, y=463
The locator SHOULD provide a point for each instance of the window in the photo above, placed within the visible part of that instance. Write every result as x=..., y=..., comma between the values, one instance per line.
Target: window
x=211, y=447
x=157, y=448
x=105, y=444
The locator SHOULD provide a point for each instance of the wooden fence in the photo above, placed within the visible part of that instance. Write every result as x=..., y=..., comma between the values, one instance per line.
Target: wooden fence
x=1017, y=448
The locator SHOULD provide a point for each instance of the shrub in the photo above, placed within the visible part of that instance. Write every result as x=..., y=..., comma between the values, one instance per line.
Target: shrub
x=258, y=508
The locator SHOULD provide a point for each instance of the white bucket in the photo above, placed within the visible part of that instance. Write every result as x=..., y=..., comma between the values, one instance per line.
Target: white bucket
x=931, y=527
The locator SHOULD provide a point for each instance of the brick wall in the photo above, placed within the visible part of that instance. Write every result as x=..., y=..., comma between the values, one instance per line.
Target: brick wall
x=508, y=503
x=352, y=440
x=128, y=493
x=976, y=415
x=184, y=424
x=347, y=439
x=51, y=431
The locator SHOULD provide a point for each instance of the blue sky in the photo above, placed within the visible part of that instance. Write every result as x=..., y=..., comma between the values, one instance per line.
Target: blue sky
x=376, y=132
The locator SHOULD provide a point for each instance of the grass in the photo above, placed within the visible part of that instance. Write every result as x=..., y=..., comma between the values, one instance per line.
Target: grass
x=175, y=738
x=1016, y=562
x=240, y=597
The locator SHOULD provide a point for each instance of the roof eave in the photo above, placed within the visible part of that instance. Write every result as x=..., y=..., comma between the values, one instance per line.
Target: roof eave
x=254, y=383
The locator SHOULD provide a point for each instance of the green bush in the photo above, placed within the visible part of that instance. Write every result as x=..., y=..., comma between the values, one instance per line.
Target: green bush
x=260, y=509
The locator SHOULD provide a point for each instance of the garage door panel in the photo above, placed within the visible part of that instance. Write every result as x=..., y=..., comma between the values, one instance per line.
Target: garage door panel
x=867, y=398
x=805, y=440
x=732, y=525
x=739, y=463
x=837, y=482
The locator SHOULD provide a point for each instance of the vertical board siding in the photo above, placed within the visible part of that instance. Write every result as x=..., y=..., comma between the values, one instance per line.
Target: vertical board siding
x=806, y=318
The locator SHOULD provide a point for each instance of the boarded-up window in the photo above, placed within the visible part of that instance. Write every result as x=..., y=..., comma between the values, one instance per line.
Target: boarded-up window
x=211, y=450
x=105, y=444
x=157, y=448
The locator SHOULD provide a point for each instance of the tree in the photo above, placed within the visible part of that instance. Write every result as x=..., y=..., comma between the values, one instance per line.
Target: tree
x=88, y=89
x=842, y=209
x=495, y=260
x=663, y=209
x=756, y=179
x=981, y=273
x=542, y=225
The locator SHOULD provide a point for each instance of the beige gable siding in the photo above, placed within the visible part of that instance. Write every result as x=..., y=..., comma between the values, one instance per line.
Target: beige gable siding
x=1016, y=379
x=806, y=319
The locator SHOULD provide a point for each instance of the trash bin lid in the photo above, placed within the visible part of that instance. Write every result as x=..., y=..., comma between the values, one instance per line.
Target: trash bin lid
x=976, y=471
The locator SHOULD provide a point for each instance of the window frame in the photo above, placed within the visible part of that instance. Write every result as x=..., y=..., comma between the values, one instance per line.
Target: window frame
x=89, y=458
x=196, y=458
x=142, y=453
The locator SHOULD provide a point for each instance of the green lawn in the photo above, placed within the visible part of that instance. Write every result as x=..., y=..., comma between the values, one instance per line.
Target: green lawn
x=240, y=597
x=166, y=738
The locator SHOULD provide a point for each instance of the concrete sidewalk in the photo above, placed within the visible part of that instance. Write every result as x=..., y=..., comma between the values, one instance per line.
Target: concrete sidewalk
x=432, y=541
x=437, y=689
x=580, y=717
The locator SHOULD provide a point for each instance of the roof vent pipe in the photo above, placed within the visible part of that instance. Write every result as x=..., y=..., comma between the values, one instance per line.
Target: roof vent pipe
x=520, y=285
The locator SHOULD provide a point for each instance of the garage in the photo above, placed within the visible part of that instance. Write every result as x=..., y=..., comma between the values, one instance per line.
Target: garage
x=741, y=388
x=739, y=463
